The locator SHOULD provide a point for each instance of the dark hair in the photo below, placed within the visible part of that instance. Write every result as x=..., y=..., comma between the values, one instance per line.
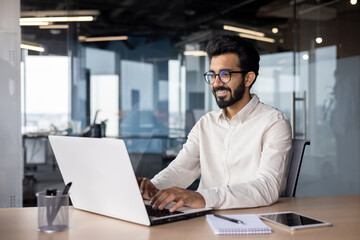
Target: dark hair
x=248, y=55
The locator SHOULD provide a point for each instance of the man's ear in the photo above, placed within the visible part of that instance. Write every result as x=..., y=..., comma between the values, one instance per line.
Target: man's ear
x=249, y=79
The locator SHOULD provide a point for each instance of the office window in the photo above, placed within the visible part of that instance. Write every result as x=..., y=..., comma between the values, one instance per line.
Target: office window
x=137, y=103
x=276, y=81
x=104, y=99
x=46, y=93
x=177, y=84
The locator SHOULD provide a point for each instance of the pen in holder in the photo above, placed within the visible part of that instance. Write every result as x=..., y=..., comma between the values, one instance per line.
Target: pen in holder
x=49, y=207
x=53, y=210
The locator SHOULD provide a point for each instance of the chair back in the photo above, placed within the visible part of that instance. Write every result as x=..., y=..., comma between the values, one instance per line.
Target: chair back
x=294, y=164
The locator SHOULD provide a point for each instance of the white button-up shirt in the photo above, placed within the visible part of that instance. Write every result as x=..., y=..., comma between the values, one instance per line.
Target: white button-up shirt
x=242, y=161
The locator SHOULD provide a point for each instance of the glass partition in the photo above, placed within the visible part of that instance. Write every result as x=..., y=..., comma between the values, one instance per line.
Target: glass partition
x=149, y=89
x=327, y=66
x=46, y=102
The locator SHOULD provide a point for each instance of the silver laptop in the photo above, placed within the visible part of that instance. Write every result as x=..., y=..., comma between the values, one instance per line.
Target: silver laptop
x=104, y=182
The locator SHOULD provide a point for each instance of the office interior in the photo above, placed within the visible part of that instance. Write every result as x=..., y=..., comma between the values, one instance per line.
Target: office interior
x=134, y=70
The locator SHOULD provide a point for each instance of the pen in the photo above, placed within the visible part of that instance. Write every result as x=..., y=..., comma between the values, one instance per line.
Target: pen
x=55, y=212
x=49, y=205
x=229, y=219
x=66, y=189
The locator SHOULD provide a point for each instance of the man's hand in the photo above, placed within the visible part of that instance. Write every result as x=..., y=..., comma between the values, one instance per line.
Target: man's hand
x=181, y=196
x=147, y=189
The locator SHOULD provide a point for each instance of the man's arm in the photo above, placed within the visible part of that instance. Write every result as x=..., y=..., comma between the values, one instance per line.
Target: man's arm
x=185, y=168
x=173, y=180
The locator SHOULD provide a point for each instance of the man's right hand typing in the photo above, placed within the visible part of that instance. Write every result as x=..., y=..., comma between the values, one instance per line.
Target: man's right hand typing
x=147, y=189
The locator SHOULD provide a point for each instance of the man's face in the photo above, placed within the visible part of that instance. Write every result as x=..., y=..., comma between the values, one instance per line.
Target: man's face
x=226, y=94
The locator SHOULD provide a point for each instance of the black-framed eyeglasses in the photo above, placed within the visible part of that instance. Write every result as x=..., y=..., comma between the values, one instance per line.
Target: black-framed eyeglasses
x=224, y=76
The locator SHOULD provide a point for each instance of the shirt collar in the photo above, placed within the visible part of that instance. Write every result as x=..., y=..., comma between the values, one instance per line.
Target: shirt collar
x=244, y=113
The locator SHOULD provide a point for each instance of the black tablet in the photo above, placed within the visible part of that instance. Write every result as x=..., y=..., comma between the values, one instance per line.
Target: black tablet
x=293, y=221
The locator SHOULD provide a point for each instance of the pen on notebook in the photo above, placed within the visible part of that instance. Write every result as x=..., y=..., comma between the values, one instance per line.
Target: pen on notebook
x=229, y=219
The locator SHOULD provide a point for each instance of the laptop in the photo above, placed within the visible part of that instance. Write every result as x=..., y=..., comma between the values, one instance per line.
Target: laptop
x=104, y=182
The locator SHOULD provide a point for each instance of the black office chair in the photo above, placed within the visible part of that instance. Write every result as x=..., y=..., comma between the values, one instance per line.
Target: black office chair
x=293, y=169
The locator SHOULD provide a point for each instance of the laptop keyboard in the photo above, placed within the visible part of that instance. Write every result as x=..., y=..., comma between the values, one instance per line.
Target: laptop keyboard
x=159, y=213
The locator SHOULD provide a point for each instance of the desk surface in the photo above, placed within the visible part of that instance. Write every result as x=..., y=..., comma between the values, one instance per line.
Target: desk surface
x=342, y=211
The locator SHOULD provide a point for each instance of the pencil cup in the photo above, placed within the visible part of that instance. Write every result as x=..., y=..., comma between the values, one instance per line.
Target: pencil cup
x=53, y=212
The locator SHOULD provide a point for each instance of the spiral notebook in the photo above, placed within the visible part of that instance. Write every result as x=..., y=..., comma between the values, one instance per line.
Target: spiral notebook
x=247, y=224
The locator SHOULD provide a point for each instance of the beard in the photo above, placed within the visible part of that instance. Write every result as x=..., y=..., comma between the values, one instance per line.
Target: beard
x=237, y=96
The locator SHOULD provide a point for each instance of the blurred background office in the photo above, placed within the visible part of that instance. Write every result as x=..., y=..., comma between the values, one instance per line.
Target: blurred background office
x=133, y=69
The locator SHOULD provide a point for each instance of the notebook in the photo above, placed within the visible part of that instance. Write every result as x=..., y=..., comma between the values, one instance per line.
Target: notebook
x=104, y=182
x=252, y=224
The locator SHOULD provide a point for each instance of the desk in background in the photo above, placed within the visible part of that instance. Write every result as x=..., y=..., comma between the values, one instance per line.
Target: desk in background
x=342, y=211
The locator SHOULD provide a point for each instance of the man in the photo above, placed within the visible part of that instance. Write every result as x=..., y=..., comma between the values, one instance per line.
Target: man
x=240, y=151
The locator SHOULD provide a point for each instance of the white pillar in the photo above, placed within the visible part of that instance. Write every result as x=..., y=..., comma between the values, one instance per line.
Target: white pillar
x=11, y=153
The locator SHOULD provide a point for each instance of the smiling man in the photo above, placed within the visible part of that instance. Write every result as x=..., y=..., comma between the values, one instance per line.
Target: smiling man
x=240, y=151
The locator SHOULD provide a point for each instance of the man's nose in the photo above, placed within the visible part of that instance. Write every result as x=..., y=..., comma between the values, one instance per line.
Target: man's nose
x=217, y=81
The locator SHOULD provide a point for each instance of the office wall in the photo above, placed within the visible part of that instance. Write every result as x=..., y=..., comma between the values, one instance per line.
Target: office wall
x=11, y=156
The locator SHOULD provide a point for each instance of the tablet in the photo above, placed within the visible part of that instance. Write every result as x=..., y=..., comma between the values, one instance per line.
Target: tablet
x=293, y=221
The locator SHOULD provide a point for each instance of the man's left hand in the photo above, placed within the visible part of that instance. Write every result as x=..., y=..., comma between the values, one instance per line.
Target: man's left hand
x=181, y=196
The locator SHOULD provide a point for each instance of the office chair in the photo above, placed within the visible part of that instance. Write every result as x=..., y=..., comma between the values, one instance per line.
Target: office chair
x=293, y=169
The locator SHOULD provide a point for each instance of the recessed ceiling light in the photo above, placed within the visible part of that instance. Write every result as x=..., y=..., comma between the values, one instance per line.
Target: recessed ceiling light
x=275, y=30
x=318, y=40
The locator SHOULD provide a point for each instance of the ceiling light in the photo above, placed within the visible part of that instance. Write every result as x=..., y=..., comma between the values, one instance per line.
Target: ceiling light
x=102, y=39
x=264, y=39
x=243, y=30
x=318, y=40
x=53, y=26
x=305, y=57
x=275, y=30
x=195, y=53
x=32, y=47
x=57, y=13
x=58, y=19
x=55, y=31
x=34, y=23
x=82, y=38
x=353, y=2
